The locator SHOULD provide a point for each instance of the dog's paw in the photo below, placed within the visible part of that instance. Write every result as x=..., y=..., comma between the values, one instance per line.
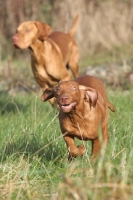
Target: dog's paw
x=81, y=149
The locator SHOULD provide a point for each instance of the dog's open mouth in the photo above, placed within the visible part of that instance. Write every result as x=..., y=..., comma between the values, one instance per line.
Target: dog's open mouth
x=67, y=107
x=15, y=45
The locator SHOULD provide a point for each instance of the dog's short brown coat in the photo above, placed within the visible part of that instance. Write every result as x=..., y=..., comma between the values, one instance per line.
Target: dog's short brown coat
x=83, y=110
x=52, y=54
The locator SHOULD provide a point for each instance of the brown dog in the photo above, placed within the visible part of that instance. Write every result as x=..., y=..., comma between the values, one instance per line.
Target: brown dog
x=52, y=54
x=83, y=109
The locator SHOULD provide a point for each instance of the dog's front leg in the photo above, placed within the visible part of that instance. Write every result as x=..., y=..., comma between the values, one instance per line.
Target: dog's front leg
x=73, y=150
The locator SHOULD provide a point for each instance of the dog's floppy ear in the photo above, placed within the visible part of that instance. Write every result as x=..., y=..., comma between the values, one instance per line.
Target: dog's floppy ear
x=91, y=94
x=44, y=30
x=47, y=94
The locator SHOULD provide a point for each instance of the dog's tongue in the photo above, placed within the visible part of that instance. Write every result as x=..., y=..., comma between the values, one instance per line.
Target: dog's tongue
x=67, y=108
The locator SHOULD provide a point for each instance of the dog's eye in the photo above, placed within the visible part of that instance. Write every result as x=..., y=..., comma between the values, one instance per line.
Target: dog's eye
x=57, y=89
x=74, y=88
x=27, y=30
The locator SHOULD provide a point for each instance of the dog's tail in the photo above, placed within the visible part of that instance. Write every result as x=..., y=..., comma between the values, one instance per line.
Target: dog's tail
x=111, y=107
x=74, y=26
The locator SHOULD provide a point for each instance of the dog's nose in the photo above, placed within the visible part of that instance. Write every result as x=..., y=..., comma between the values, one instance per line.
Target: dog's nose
x=14, y=38
x=63, y=98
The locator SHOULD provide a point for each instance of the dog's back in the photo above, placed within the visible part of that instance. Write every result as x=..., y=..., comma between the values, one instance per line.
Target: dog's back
x=96, y=83
x=93, y=82
x=62, y=40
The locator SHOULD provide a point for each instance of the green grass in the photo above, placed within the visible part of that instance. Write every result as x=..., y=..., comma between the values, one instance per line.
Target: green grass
x=34, y=159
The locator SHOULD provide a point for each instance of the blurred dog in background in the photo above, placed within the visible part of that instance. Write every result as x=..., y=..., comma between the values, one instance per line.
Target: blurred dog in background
x=53, y=54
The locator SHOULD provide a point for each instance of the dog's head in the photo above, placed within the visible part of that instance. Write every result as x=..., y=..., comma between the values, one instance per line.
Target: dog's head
x=28, y=32
x=69, y=94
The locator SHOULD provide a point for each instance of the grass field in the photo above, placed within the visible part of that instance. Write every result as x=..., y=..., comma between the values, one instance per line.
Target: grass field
x=34, y=159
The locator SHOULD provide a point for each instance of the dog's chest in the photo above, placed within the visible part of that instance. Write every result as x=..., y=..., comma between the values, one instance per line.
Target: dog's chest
x=82, y=128
x=42, y=75
x=39, y=72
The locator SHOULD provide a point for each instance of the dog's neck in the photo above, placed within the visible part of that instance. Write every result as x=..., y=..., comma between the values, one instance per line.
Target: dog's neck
x=35, y=46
